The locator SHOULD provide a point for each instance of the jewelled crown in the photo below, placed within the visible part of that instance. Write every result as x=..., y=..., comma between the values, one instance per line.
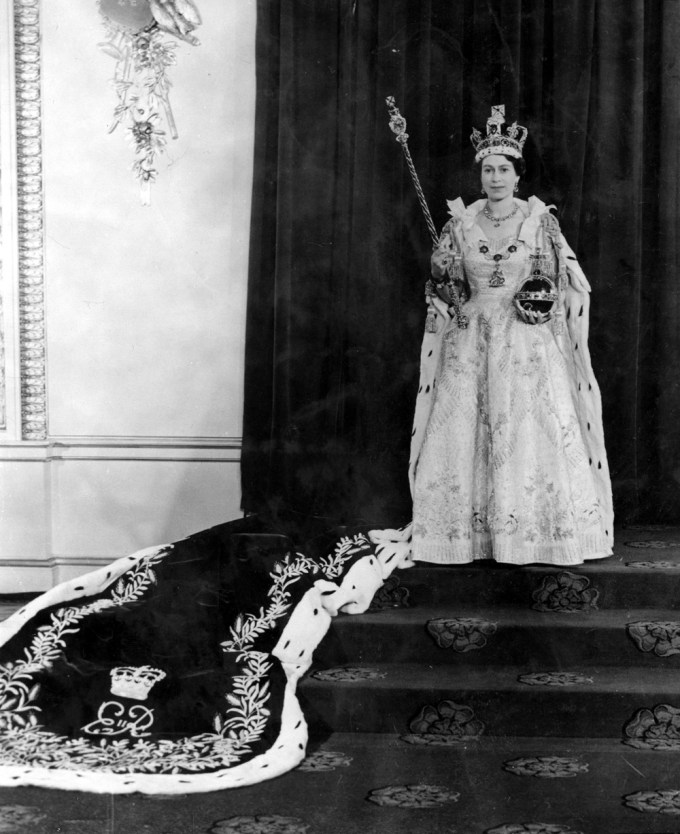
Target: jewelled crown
x=497, y=140
x=134, y=681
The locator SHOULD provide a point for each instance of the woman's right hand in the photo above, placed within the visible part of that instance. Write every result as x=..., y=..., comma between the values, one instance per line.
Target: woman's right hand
x=439, y=263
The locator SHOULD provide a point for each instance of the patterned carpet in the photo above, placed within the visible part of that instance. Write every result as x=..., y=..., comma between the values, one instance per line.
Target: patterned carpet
x=470, y=700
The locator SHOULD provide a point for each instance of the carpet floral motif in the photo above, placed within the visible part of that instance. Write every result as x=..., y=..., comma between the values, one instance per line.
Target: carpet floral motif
x=462, y=634
x=531, y=828
x=654, y=729
x=444, y=724
x=324, y=760
x=546, y=767
x=392, y=594
x=565, y=593
x=653, y=565
x=349, y=673
x=652, y=545
x=266, y=824
x=413, y=796
x=15, y=818
x=654, y=802
x=554, y=679
x=662, y=638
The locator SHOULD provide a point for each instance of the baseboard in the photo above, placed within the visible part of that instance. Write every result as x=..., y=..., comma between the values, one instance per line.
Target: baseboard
x=41, y=574
x=93, y=448
x=20, y=576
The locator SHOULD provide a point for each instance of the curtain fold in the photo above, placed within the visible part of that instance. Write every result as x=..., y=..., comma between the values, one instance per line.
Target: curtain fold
x=339, y=249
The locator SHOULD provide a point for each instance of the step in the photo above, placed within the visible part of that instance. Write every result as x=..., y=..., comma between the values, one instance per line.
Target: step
x=632, y=578
x=599, y=704
x=491, y=789
x=502, y=635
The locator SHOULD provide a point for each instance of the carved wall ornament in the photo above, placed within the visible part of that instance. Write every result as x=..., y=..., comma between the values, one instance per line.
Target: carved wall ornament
x=30, y=221
x=136, y=31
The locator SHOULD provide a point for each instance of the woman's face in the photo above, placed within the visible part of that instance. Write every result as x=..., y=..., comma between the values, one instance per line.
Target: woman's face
x=498, y=177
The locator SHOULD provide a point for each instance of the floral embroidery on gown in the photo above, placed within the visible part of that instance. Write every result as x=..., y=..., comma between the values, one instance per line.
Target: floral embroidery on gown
x=510, y=464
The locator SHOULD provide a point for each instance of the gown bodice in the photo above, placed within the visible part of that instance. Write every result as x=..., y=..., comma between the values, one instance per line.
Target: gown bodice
x=494, y=268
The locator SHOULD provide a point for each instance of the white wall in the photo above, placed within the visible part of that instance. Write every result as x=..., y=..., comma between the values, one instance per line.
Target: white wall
x=145, y=307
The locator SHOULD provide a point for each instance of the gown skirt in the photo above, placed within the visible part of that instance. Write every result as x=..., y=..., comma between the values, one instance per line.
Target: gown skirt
x=503, y=471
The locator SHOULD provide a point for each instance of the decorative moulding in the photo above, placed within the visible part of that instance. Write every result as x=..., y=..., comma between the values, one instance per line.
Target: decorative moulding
x=30, y=219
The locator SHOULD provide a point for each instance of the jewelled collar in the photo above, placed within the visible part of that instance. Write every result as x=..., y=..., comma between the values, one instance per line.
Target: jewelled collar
x=468, y=216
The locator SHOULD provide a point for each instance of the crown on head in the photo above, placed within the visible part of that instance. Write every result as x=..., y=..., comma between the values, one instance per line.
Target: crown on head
x=509, y=141
x=134, y=681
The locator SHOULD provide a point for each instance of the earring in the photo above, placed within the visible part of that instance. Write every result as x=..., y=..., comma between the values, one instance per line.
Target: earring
x=483, y=192
x=516, y=188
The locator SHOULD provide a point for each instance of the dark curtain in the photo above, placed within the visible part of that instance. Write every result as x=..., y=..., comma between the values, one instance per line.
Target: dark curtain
x=340, y=252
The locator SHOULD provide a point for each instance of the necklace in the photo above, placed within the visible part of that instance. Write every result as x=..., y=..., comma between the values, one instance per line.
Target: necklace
x=498, y=220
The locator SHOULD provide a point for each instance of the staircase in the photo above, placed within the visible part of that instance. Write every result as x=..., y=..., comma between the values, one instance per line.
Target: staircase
x=562, y=683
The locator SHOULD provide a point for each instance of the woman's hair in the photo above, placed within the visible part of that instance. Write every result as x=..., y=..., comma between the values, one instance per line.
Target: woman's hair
x=518, y=164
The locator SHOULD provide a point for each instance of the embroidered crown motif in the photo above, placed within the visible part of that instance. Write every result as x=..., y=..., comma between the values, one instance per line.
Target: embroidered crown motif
x=134, y=681
x=509, y=141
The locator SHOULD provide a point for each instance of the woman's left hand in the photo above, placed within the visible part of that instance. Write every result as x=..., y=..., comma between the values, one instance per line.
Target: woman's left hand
x=532, y=316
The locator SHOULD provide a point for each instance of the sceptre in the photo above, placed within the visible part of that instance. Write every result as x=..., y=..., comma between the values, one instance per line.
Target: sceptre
x=398, y=127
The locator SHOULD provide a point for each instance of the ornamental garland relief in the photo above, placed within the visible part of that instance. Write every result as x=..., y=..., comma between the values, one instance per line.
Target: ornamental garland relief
x=136, y=32
x=30, y=222
x=137, y=39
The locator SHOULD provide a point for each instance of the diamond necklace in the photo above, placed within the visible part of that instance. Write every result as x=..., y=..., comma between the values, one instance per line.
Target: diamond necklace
x=498, y=220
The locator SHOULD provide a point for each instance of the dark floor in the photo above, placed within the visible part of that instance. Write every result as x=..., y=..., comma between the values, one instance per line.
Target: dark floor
x=559, y=782
x=474, y=793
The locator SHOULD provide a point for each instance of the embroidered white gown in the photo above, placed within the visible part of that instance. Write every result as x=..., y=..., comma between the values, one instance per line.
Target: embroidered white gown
x=510, y=462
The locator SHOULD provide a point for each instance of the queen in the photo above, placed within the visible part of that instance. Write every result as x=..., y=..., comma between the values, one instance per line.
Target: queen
x=508, y=459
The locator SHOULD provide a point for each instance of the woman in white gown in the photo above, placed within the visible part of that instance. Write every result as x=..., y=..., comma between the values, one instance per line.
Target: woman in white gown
x=508, y=459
